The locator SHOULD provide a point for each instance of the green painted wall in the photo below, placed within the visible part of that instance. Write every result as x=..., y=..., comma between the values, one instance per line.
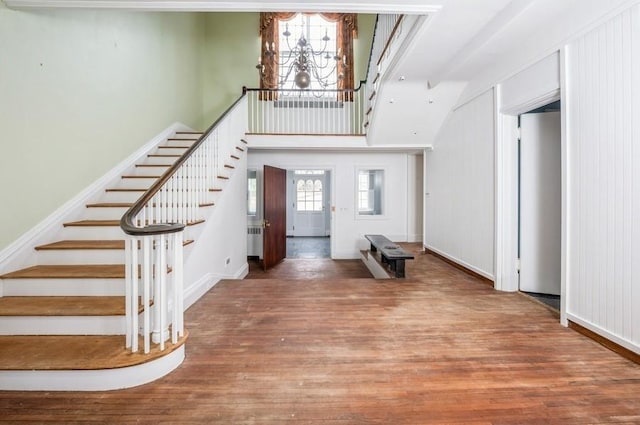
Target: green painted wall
x=232, y=47
x=362, y=46
x=79, y=92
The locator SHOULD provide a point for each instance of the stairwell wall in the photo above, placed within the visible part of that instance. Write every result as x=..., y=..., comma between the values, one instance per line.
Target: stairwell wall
x=80, y=91
x=459, y=187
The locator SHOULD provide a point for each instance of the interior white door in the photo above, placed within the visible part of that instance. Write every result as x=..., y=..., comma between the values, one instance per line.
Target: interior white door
x=309, y=205
x=540, y=203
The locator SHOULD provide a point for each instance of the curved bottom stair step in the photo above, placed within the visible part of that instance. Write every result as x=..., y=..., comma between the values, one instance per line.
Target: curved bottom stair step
x=75, y=352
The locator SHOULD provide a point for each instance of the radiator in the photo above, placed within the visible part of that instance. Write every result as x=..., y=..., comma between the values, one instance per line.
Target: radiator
x=254, y=241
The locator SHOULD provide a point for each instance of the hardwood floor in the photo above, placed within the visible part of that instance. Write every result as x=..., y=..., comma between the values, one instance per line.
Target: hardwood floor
x=437, y=347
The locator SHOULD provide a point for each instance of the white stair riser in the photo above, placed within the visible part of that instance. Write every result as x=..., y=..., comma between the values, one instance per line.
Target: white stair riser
x=143, y=183
x=92, y=232
x=149, y=171
x=63, y=325
x=186, y=136
x=81, y=256
x=184, y=141
x=121, y=196
x=62, y=287
x=171, y=151
x=160, y=160
x=104, y=213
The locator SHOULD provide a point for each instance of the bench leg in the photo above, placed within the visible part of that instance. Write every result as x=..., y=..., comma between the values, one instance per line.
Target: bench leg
x=392, y=265
x=399, y=267
x=373, y=248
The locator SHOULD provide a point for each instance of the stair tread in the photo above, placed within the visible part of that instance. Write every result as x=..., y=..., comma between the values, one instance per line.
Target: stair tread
x=126, y=190
x=110, y=205
x=90, y=244
x=129, y=176
x=90, y=223
x=74, y=352
x=82, y=244
x=109, y=223
x=69, y=271
x=62, y=306
x=173, y=147
x=163, y=155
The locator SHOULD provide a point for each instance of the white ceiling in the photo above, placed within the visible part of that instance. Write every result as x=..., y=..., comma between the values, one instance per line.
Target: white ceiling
x=354, y=6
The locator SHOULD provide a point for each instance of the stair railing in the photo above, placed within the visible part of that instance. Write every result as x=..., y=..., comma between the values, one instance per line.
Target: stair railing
x=155, y=226
x=307, y=112
x=389, y=33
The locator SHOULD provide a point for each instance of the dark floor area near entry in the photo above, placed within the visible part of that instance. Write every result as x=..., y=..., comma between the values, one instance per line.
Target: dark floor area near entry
x=552, y=301
x=309, y=247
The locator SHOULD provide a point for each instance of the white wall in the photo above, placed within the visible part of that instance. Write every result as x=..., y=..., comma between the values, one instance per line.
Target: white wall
x=79, y=92
x=348, y=230
x=222, y=236
x=603, y=128
x=459, y=187
x=415, y=199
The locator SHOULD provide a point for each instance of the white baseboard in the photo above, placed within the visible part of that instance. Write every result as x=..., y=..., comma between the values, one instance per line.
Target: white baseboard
x=604, y=333
x=200, y=287
x=20, y=253
x=462, y=263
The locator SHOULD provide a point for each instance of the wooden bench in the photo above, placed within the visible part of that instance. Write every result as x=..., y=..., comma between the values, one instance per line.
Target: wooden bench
x=391, y=255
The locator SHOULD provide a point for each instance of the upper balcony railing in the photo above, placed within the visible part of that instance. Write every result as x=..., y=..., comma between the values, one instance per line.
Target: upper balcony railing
x=330, y=112
x=306, y=112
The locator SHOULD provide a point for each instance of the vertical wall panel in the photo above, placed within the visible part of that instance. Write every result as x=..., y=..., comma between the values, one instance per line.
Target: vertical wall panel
x=459, y=187
x=603, y=105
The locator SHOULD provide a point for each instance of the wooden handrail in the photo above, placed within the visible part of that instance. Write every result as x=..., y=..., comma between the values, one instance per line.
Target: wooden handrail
x=388, y=43
x=373, y=42
x=127, y=220
x=361, y=85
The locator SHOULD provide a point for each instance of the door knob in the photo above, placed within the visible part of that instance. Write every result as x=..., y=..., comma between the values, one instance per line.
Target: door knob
x=266, y=223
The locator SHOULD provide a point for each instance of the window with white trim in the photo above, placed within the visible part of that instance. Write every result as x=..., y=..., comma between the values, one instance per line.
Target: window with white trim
x=370, y=192
x=309, y=194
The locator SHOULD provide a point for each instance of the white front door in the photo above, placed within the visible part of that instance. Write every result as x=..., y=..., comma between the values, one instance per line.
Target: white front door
x=540, y=203
x=309, y=205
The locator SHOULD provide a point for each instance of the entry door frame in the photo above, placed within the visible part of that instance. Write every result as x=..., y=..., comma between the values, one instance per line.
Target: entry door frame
x=506, y=190
x=295, y=214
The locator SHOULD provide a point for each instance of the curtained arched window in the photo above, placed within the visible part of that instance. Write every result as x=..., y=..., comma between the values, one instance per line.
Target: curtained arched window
x=346, y=31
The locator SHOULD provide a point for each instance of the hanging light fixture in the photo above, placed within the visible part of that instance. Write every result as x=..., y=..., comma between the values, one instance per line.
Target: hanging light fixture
x=308, y=65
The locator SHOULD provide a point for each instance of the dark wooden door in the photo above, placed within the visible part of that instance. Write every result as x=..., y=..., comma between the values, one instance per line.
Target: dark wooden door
x=275, y=216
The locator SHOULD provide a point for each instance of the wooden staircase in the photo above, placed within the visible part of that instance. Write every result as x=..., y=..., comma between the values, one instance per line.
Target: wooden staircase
x=56, y=313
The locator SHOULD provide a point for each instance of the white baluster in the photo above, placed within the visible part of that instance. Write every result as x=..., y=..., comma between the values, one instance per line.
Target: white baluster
x=147, y=247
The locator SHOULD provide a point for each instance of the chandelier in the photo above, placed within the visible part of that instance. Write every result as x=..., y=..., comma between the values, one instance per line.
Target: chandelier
x=318, y=68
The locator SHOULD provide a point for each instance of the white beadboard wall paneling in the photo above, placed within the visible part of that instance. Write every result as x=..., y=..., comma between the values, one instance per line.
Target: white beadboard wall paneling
x=604, y=177
x=459, y=181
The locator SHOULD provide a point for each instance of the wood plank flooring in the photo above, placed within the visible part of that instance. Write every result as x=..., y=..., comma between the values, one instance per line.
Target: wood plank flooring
x=438, y=347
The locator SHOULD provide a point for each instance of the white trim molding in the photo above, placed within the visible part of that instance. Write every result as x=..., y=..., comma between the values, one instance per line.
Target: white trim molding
x=369, y=6
x=461, y=262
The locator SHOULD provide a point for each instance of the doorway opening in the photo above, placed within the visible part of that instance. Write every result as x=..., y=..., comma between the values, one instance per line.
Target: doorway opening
x=308, y=213
x=540, y=204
